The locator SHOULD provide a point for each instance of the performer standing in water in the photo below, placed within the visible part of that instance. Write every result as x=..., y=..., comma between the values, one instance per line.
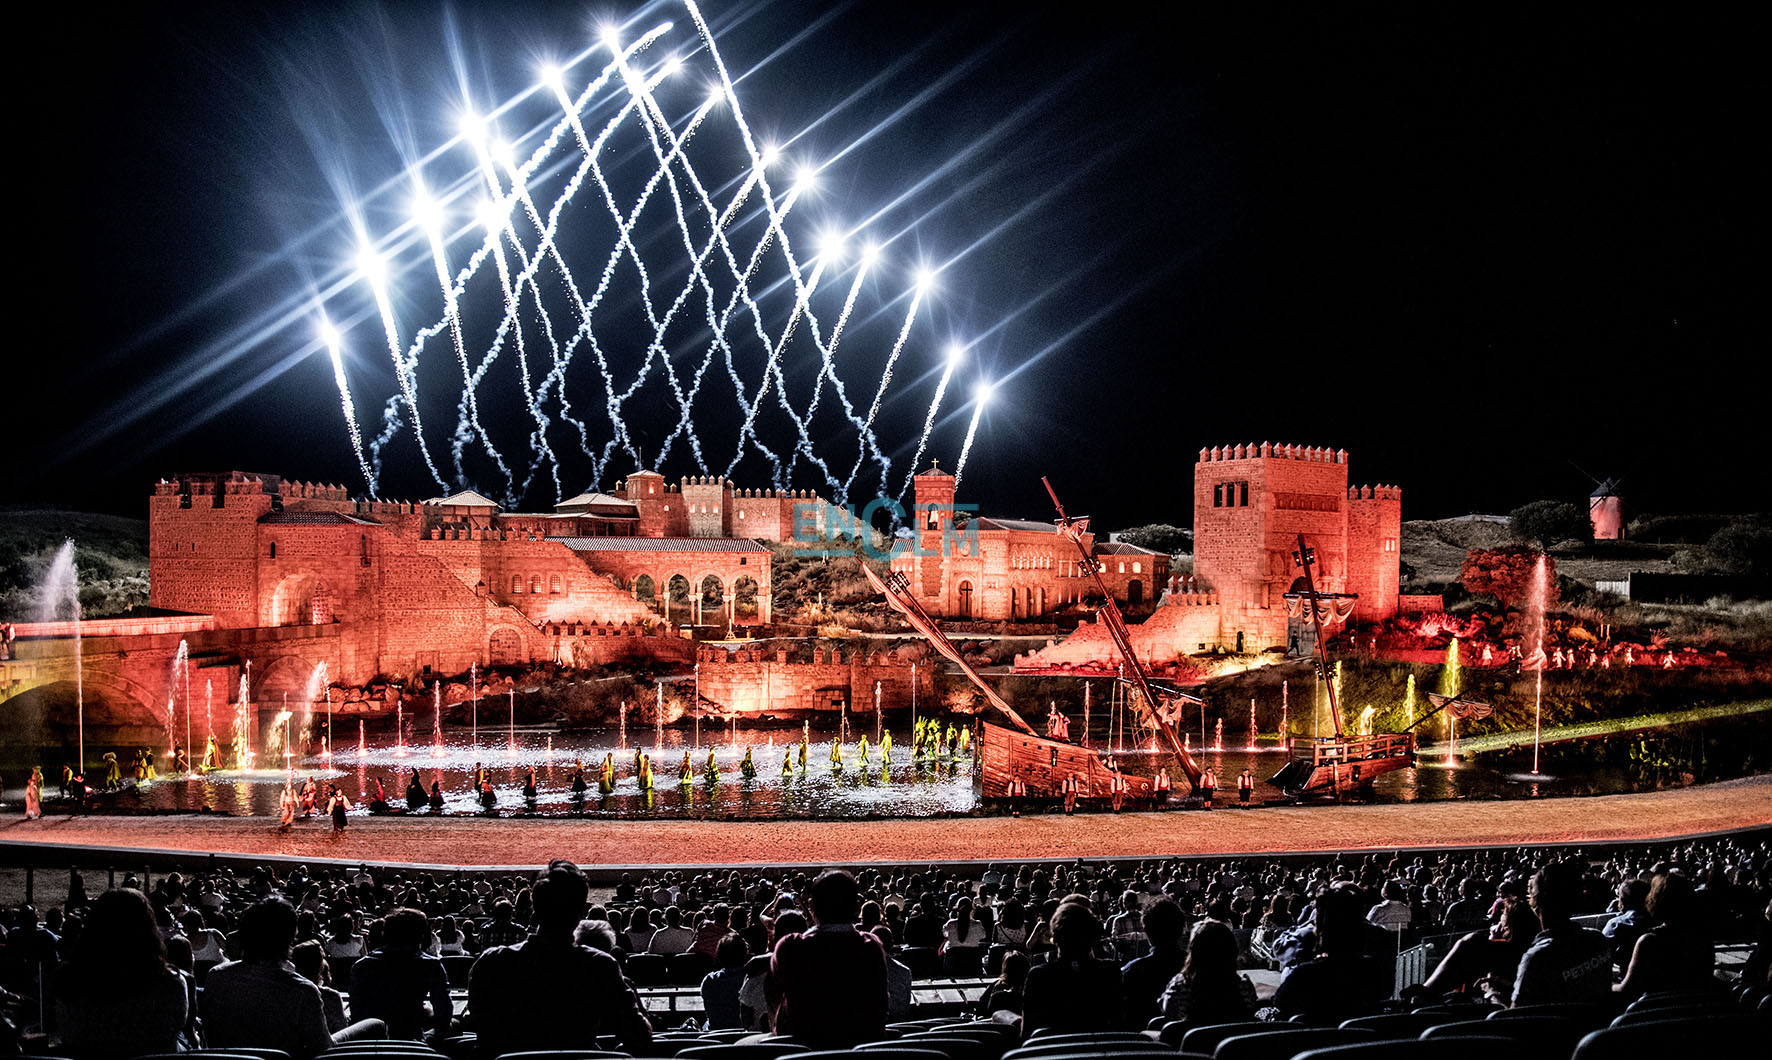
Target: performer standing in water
x=286, y=804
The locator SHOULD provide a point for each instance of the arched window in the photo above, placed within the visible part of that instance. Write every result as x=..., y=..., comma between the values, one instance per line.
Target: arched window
x=554, y=583
x=535, y=584
x=965, y=599
x=516, y=584
x=1137, y=567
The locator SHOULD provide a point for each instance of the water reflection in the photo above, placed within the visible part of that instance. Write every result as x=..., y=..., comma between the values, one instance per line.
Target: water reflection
x=1672, y=757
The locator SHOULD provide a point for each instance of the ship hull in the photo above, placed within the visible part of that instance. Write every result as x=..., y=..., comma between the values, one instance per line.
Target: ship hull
x=1043, y=764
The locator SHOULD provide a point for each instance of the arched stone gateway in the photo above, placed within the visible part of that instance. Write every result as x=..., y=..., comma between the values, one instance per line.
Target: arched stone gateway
x=302, y=599
x=505, y=647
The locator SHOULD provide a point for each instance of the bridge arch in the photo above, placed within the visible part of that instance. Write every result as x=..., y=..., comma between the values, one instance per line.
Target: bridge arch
x=43, y=718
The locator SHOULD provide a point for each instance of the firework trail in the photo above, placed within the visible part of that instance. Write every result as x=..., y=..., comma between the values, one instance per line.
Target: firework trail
x=980, y=397
x=867, y=439
x=941, y=389
x=330, y=337
x=468, y=424
x=374, y=269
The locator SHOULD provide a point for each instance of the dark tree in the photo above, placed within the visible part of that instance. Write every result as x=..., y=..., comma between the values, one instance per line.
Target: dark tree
x=1506, y=574
x=1159, y=537
x=1547, y=522
x=1743, y=547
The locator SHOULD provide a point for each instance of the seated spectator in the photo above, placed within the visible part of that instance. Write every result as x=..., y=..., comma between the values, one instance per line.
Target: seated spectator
x=898, y=978
x=504, y=929
x=1011, y=928
x=832, y=977
x=206, y=942
x=922, y=928
x=598, y=935
x=450, y=941
x=116, y=995
x=309, y=959
x=1005, y=994
x=1342, y=981
x=719, y=988
x=548, y=992
x=1074, y=991
x=1471, y=911
x=673, y=938
x=711, y=932
x=1143, y=979
x=262, y=1001
x=1677, y=953
x=342, y=940
x=393, y=983
x=1485, y=960
x=1207, y=987
x=1632, y=920
x=1564, y=962
x=1758, y=966
x=1393, y=913
x=757, y=996
x=640, y=929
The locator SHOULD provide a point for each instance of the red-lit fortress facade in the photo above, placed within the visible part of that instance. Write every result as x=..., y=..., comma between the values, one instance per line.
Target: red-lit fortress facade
x=1251, y=503
x=997, y=570
x=440, y=585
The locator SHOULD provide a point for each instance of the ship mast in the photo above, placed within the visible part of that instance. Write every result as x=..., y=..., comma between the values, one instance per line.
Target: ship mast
x=1304, y=557
x=1116, y=627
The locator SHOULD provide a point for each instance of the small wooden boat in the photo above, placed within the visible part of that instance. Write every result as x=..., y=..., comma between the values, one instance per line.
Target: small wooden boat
x=1340, y=765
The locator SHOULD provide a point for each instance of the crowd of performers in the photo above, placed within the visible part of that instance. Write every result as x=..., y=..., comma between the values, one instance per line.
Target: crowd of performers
x=932, y=743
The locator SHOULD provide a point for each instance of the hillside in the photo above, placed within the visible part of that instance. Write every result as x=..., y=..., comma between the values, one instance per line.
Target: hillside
x=1435, y=550
x=110, y=552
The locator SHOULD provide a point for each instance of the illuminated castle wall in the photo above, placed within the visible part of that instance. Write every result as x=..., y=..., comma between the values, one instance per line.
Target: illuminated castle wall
x=454, y=581
x=1003, y=569
x=1251, y=503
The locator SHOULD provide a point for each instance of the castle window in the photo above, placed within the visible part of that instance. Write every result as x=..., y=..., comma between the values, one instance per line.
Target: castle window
x=1137, y=567
x=741, y=513
x=273, y=550
x=535, y=584
x=1122, y=566
x=1218, y=495
x=554, y=584
x=1243, y=494
x=516, y=584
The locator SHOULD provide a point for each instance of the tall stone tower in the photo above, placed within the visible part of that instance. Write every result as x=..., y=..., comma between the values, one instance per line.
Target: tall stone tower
x=705, y=498
x=203, y=544
x=933, y=490
x=1250, y=504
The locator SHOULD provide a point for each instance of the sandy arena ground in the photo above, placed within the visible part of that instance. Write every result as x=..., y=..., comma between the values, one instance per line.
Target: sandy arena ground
x=1729, y=806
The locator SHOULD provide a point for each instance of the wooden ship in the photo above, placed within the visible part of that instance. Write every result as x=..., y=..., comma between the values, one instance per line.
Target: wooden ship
x=1342, y=764
x=1043, y=763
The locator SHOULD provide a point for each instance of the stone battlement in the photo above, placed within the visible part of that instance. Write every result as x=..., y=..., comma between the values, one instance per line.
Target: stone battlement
x=1381, y=493
x=1269, y=451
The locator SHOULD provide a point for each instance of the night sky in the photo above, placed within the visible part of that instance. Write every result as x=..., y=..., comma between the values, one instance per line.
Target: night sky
x=1472, y=244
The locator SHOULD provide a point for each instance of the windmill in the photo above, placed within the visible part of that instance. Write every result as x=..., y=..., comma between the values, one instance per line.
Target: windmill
x=1605, y=507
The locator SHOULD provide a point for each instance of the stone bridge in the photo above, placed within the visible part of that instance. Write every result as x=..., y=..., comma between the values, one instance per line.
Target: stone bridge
x=131, y=697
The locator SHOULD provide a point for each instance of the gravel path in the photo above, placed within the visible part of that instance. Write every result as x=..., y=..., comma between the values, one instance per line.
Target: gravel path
x=1728, y=806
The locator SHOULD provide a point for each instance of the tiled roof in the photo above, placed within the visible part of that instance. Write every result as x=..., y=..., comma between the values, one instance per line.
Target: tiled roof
x=987, y=523
x=321, y=518
x=584, y=500
x=1122, y=548
x=660, y=544
x=464, y=499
